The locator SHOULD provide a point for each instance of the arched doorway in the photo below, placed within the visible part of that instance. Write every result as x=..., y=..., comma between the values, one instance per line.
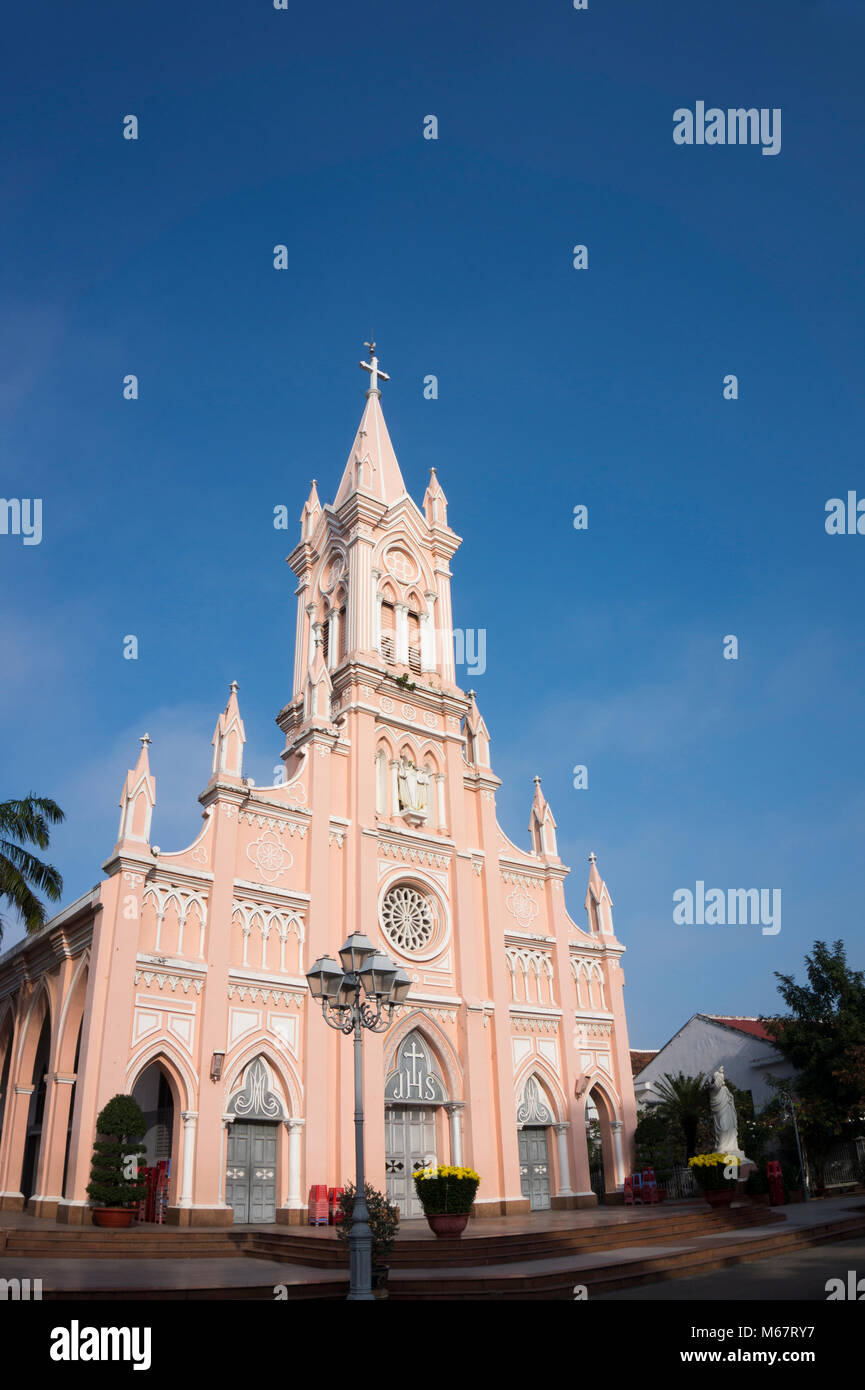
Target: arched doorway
x=533, y=1118
x=595, y=1150
x=152, y=1090
x=5, y=1066
x=601, y=1142
x=72, y=1106
x=253, y=1144
x=33, y=1139
x=412, y=1093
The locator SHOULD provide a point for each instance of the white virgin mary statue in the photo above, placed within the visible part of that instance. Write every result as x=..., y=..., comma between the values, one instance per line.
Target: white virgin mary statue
x=413, y=783
x=724, y=1117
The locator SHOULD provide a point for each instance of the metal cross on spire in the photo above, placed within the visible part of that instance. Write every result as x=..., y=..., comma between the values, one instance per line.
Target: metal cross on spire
x=145, y=740
x=372, y=367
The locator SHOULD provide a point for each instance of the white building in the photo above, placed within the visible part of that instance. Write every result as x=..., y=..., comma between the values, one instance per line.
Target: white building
x=740, y=1045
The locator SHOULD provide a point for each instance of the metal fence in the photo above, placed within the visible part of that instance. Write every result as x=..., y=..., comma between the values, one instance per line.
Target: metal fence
x=844, y=1163
x=680, y=1184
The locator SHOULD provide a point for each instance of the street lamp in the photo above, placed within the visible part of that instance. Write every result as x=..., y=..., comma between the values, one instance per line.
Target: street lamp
x=788, y=1096
x=355, y=995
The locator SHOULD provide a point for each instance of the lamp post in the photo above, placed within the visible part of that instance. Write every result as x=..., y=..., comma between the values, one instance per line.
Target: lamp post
x=360, y=991
x=788, y=1096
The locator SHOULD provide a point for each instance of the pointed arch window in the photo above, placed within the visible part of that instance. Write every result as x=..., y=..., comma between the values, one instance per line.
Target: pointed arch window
x=388, y=631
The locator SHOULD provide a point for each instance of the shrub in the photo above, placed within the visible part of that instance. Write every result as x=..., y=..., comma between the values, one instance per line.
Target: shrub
x=757, y=1183
x=446, y=1190
x=710, y=1170
x=119, y=1127
x=383, y=1220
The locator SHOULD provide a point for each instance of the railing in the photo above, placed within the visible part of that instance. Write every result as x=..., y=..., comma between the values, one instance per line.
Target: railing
x=844, y=1163
x=680, y=1184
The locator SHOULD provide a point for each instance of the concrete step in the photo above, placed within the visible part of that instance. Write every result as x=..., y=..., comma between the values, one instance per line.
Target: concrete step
x=519, y=1247
x=555, y=1279
x=133, y=1244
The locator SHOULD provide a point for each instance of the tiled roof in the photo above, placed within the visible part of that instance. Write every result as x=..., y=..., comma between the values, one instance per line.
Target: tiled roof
x=641, y=1059
x=743, y=1025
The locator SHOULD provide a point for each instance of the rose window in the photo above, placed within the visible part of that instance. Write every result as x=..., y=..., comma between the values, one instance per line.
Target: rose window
x=407, y=919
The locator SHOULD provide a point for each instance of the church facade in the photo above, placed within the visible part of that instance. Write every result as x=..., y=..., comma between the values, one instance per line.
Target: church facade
x=180, y=977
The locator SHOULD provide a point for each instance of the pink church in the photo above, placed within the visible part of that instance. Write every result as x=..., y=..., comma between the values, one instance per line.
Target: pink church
x=180, y=977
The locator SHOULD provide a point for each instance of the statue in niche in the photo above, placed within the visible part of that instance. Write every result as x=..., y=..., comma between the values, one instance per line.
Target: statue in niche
x=413, y=787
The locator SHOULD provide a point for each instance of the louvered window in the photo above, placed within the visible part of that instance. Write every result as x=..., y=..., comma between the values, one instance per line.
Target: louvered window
x=388, y=632
x=414, y=643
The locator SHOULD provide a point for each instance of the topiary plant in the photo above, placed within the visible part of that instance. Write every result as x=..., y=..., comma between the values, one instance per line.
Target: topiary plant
x=120, y=1127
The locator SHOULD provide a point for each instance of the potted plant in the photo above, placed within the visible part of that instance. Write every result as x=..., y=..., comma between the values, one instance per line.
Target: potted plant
x=716, y=1175
x=114, y=1184
x=383, y=1225
x=447, y=1195
x=757, y=1187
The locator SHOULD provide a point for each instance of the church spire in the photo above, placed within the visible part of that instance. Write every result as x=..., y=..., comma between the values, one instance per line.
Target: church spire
x=372, y=467
x=435, y=504
x=542, y=826
x=138, y=799
x=310, y=514
x=229, y=736
x=599, y=904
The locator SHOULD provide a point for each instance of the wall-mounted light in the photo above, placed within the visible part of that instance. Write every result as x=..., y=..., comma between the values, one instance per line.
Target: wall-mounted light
x=216, y=1062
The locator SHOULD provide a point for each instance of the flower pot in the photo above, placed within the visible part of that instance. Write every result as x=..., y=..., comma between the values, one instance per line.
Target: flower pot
x=718, y=1196
x=117, y=1218
x=448, y=1223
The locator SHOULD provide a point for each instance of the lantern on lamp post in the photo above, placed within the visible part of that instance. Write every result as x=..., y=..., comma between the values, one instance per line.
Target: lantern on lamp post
x=359, y=991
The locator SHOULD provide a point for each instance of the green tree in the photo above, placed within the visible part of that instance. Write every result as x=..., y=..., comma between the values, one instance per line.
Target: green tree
x=120, y=1127
x=684, y=1103
x=25, y=823
x=657, y=1144
x=822, y=1038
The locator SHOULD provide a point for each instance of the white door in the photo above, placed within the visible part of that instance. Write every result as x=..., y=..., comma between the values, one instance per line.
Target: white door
x=410, y=1144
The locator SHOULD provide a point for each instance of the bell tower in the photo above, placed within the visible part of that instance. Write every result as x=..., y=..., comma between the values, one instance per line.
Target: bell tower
x=373, y=571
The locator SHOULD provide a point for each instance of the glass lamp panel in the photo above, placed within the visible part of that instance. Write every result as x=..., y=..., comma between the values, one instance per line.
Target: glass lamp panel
x=324, y=977
x=346, y=992
x=356, y=950
x=400, y=987
x=378, y=975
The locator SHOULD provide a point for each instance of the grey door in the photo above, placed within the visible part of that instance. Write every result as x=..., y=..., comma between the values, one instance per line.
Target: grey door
x=410, y=1144
x=535, y=1166
x=250, y=1175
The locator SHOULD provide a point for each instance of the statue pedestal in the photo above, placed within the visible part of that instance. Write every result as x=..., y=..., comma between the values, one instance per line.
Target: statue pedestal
x=413, y=818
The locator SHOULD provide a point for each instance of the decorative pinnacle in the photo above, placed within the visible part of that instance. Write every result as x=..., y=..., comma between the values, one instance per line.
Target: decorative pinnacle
x=144, y=740
x=372, y=367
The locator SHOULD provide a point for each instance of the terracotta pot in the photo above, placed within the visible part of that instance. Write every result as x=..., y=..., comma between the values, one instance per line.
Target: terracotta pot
x=116, y=1217
x=448, y=1224
x=718, y=1196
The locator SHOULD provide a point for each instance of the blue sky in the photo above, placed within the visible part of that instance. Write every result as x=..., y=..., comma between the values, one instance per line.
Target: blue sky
x=556, y=387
